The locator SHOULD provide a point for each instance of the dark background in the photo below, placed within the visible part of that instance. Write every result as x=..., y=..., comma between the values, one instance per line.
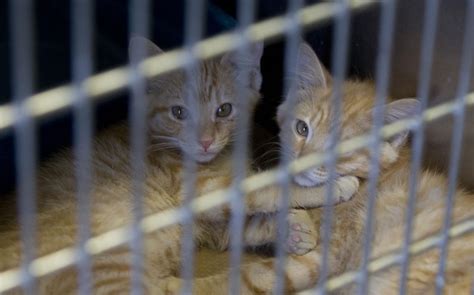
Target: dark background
x=52, y=57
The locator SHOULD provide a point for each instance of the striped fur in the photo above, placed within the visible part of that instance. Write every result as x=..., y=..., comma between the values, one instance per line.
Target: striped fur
x=313, y=96
x=215, y=82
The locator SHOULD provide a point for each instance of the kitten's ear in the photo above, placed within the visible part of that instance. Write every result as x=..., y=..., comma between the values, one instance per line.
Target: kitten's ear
x=246, y=65
x=310, y=72
x=138, y=42
x=151, y=49
x=399, y=110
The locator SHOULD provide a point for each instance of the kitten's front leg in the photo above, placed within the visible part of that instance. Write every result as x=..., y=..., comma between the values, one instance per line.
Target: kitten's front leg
x=344, y=189
x=301, y=237
x=268, y=199
x=258, y=277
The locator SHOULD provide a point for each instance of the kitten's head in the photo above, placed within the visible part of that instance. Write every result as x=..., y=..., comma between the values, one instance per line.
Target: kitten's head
x=209, y=105
x=308, y=126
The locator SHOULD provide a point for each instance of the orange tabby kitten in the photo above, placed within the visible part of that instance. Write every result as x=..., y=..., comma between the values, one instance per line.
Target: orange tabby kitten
x=311, y=128
x=168, y=117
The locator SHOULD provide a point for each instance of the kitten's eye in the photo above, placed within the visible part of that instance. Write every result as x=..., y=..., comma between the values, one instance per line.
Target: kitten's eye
x=179, y=112
x=224, y=110
x=302, y=128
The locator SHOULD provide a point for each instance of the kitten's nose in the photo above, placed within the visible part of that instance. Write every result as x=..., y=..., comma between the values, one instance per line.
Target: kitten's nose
x=206, y=143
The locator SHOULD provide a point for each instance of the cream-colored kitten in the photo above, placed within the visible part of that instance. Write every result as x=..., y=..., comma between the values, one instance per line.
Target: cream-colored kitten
x=216, y=84
x=310, y=128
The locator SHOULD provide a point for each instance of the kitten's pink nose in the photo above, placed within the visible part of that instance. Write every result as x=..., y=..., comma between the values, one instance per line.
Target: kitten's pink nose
x=206, y=143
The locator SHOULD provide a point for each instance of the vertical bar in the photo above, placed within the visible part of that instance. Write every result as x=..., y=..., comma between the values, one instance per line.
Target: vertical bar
x=472, y=286
x=339, y=62
x=82, y=67
x=293, y=39
x=139, y=24
x=456, y=142
x=387, y=19
x=245, y=15
x=22, y=40
x=194, y=31
x=426, y=61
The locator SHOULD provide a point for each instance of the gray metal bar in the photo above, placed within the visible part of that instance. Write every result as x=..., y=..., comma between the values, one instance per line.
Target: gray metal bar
x=82, y=68
x=139, y=24
x=426, y=61
x=58, y=260
x=22, y=40
x=58, y=99
x=391, y=259
x=387, y=20
x=472, y=286
x=339, y=62
x=456, y=143
x=194, y=31
x=245, y=15
x=293, y=40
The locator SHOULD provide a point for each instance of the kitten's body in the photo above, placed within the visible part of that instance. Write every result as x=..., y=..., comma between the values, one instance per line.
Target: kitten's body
x=112, y=194
x=313, y=98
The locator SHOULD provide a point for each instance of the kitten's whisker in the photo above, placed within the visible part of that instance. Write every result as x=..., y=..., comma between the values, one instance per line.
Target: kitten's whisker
x=268, y=145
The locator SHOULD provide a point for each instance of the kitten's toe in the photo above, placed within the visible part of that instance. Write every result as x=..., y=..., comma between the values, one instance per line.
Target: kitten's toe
x=347, y=186
x=302, y=237
x=171, y=286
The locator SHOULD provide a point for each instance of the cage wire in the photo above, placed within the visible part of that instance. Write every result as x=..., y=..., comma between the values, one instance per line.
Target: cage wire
x=86, y=89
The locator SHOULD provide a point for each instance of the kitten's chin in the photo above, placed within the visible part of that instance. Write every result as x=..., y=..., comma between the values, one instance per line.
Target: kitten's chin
x=204, y=157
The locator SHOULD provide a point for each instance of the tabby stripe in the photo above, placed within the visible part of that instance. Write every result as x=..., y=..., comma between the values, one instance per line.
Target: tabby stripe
x=310, y=266
x=288, y=282
x=250, y=285
x=110, y=266
x=109, y=282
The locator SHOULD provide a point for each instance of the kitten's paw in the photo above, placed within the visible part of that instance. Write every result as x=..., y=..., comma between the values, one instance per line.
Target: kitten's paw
x=302, y=235
x=347, y=187
x=171, y=286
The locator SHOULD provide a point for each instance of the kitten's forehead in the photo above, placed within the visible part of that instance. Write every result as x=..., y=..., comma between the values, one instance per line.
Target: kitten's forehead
x=213, y=82
x=356, y=98
x=208, y=83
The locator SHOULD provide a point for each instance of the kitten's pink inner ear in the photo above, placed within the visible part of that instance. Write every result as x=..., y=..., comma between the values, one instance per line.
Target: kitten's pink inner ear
x=310, y=72
x=250, y=59
x=246, y=66
x=400, y=110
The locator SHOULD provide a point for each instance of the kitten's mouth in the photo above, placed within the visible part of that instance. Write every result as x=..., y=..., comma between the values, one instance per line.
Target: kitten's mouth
x=204, y=157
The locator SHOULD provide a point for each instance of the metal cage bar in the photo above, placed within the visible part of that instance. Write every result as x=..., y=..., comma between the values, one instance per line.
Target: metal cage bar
x=459, y=114
x=22, y=37
x=193, y=33
x=61, y=259
x=394, y=258
x=139, y=24
x=86, y=88
x=387, y=21
x=339, y=62
x=246, y=16
x=82, y=68
x=428, y=42
x=59, y=99
x=293, y=39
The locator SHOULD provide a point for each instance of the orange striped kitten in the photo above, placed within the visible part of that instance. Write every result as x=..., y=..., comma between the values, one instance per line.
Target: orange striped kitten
x=168, y=118
x=310, y=128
